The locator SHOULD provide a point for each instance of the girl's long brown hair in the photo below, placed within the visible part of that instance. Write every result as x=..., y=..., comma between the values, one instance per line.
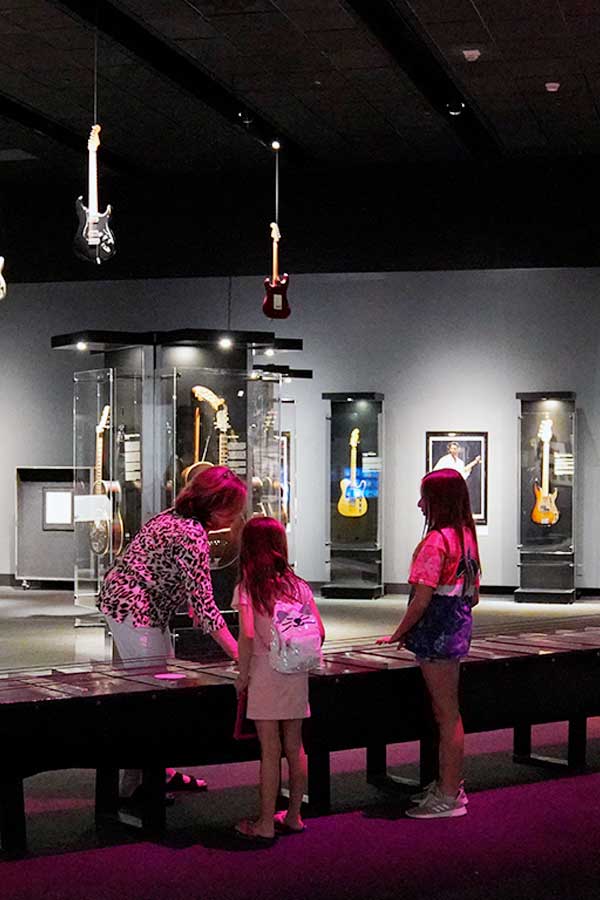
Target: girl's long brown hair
x=446, y=504
x=265, y=572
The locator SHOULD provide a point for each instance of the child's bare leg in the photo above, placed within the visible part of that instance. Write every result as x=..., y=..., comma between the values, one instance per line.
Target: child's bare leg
x=270, y=762
x=296, y=760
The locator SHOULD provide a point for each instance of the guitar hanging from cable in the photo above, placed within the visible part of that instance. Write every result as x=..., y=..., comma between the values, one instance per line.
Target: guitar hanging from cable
x=2, y=281
x=275, y=304
x=352, y=502
x=106, y=534
x=94, y=241
x=545, y=511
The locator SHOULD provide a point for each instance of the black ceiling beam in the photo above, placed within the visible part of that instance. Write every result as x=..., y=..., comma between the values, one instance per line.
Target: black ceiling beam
x=428, y=73
x=36, y=121
x=179, y=69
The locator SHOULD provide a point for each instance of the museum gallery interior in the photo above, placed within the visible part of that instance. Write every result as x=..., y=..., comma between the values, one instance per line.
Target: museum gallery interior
x=333, y=246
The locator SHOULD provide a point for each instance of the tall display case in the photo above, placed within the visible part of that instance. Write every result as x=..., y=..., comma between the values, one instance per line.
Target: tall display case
x=214, y=416
x=547, y=428
x=355, y=521
x=107, y=439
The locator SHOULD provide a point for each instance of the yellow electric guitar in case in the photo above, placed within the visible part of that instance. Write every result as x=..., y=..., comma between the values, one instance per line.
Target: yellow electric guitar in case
x=545, y=511
x=352, y=502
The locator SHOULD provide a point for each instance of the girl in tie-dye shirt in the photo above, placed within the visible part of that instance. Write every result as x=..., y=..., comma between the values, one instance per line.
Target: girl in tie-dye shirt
x=437, y=627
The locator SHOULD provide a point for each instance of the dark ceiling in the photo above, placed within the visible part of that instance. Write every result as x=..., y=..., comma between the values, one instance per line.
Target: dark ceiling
x=189, y=86
x=197, y=89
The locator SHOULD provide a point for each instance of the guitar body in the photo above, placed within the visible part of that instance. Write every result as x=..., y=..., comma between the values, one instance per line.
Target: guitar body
x=352, y=502
x=275, y=304
x=2, y=281
x=545, y=511
x=104, y=535
x=94, y=241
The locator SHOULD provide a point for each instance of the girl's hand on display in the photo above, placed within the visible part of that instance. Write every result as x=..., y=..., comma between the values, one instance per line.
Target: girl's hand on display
x=392, y=639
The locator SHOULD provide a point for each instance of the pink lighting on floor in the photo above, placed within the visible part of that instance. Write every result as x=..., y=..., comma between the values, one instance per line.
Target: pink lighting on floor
x=170, y=676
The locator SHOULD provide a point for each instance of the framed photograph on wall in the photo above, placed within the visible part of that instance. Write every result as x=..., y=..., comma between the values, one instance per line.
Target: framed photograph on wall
x=467, y=452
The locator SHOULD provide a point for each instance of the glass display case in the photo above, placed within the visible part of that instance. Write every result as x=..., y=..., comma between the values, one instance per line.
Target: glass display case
x=207, y=417
x=107, y=440
x=355, y=521
x=547, y=498
x=289, y=502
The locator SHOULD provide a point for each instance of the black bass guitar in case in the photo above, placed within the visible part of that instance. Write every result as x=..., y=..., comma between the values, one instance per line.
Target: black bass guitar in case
x=94, y=241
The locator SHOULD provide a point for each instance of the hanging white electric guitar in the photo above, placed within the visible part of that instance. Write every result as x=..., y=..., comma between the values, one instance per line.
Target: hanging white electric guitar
x=94, y=241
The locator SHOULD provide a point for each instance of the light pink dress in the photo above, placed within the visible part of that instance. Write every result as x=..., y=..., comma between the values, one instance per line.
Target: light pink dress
x=271, y=694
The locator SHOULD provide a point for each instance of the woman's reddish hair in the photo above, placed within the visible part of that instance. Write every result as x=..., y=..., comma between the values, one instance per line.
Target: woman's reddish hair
x=265, y=572
x=446, y=502
x=213, y=490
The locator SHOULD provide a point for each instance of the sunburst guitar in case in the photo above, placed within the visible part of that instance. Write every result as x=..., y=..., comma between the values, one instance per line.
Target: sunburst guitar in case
x=275, y=304
x=106, y=535
x=545, y=511
x=94, y=241
x=352, y=502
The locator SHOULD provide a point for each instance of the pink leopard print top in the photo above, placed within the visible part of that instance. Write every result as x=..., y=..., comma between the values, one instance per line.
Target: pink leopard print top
x=165, y=567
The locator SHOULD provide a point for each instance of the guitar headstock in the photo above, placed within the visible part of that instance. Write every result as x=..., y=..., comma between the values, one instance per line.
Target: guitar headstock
x=2, y=281
x=94, y=138
x=275, y=232
x=222, y=422
x=355, y=437
x=200, y=392
x=104, y=420
x=545, y=430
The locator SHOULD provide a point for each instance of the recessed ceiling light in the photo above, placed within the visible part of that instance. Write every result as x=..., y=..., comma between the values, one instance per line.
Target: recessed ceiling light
x=269, y=352
x=81, y=345
x=471, y=55
x=275, y=145
x=225, y=343
x=455, y=108
x=552, y=86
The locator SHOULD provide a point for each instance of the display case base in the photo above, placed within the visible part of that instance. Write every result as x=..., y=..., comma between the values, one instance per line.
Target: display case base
x=533, y=595
x=352, y=591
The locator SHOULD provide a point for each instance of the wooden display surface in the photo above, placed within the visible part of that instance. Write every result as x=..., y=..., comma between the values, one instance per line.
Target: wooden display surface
x=363, y=695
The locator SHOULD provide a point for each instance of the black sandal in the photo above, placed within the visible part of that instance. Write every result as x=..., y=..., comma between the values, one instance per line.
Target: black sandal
x=177, y=782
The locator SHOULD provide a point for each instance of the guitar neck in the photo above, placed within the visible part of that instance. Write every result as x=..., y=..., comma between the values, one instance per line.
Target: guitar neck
x=223, y=449
x=353, y=466
x=546, y=468
x=92, y=184
x=99, y=460
x=196, y=434
x=275, y=272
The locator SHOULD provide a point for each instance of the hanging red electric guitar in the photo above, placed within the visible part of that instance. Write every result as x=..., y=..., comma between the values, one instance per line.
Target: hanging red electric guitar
x=275, y=304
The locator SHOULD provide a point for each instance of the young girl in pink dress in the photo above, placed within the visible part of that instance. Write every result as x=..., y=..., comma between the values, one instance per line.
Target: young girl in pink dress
x=437, y=627
x=277, y=702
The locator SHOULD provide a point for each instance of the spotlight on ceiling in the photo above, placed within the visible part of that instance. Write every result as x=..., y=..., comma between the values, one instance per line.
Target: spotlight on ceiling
x=269, y=352
x=275, y=145
x=225, y=343
x=471, y=55
x=455, y=107
x=81, y=345
x=552, y=86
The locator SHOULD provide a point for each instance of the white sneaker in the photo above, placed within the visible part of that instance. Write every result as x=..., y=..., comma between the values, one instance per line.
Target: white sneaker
x=422, y=795
x=437, y=806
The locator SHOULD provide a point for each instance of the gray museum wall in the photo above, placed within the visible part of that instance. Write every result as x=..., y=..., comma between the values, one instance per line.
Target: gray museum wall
x=448, y=349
